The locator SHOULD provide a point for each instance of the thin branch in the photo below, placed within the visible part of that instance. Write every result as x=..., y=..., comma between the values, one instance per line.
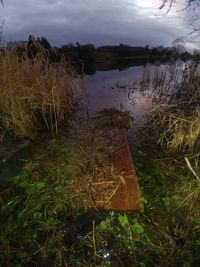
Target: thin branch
x=188, y=5
x=195, y=29
x=191, y=169
x=165, y=3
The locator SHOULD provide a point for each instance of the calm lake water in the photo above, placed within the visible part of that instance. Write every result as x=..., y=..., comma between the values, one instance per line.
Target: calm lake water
x=121, y=88
x=114, y=88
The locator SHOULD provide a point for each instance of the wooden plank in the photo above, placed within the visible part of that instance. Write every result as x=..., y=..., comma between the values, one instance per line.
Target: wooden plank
x=127, y=195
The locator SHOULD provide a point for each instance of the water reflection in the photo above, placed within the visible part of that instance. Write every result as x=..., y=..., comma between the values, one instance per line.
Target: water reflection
x=117, y=89
x=134, y=89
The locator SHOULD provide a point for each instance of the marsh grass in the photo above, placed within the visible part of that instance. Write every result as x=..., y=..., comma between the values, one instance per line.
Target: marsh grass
x=178, y=132
x=175, y=92
x=33, y=94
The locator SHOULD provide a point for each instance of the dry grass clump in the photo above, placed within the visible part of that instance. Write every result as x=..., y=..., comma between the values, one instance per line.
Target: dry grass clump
x=95, y=180
x=32, y=93
x=96, y=186
x=175, y=98
x=178, y=132
x=113, y=118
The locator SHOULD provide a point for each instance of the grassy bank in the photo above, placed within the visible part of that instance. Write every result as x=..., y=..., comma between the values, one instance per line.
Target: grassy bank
x=41, y=207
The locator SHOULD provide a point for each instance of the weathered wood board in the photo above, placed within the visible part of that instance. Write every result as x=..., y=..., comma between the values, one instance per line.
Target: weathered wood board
x=127, y=195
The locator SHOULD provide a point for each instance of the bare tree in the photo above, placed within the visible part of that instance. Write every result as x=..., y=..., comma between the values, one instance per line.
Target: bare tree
x=190, y=6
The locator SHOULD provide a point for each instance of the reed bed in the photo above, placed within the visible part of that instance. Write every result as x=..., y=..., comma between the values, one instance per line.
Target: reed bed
x=33, y=94
x=175, y=96
x=178, y=132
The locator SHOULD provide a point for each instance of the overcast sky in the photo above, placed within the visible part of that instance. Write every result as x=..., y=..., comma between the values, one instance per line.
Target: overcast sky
x=134, y=22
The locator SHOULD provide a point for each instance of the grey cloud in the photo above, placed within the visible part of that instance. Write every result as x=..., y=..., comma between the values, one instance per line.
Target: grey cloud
x=95, y=21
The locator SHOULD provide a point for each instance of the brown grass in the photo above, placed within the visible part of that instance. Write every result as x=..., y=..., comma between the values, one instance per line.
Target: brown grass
x=33, y=93
x=178, y=132
x=113, y=118
x=175, y=98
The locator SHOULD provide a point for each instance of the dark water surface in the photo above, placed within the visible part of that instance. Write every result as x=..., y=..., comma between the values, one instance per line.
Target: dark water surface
x=117, y=89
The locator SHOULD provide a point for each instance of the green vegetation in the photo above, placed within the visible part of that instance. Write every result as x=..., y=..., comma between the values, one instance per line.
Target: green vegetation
x=37, y=204
x=34, y=206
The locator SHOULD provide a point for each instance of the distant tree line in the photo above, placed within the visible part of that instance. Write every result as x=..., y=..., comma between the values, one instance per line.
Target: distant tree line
x=87, y=55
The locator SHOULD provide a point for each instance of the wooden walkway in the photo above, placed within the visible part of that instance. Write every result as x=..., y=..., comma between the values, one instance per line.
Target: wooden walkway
x=127, y=195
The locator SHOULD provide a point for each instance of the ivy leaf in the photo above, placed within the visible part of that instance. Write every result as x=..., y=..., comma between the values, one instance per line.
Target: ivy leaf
x=137, y=228
x=40, y=185
x=123, y=220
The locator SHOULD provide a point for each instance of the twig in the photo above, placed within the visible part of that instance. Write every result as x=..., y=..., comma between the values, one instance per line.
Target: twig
x=102, y=183
x=164, y=4
x=191, y=169
x=113, y=193
x=93, y=239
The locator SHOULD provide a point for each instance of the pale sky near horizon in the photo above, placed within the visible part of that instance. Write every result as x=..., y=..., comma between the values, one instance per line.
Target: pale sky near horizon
x=134, y=22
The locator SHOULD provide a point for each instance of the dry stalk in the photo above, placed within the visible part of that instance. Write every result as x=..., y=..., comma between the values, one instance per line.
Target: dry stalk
x=33, y=92
x=178, y=132
x=194, y=190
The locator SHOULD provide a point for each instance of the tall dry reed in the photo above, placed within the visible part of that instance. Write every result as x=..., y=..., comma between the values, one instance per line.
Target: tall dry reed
x=178, y=132
x=33, y=93
x=176, y=96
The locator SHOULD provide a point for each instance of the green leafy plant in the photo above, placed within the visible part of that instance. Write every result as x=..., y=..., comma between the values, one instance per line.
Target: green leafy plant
x=35, y=205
